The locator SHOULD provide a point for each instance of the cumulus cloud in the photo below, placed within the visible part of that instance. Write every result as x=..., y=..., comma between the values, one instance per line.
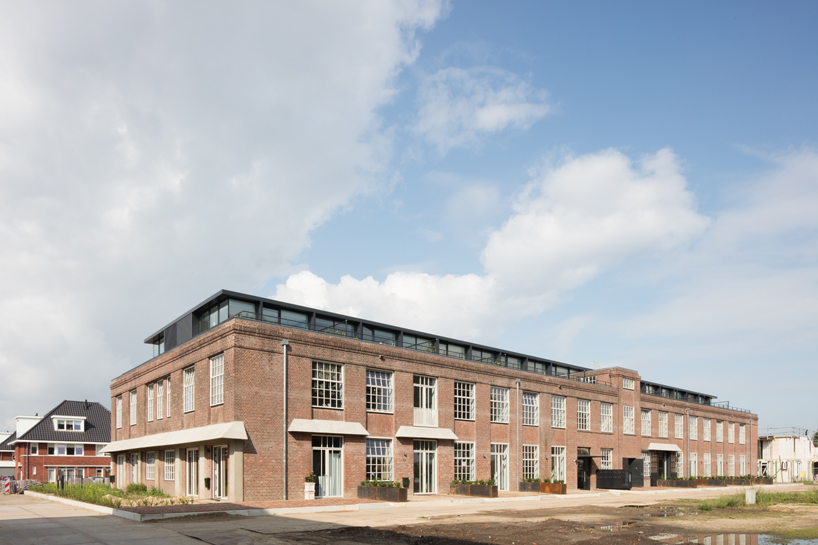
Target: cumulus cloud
x=460, y=106
x=148, y=156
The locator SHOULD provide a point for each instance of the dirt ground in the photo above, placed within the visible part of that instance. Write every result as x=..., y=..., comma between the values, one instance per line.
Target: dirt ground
x=664, y=523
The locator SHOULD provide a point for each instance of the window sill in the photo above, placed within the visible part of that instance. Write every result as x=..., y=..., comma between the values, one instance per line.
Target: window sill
x=380, y=412
x=328, y=408
x=531, y=425
x=217, y=404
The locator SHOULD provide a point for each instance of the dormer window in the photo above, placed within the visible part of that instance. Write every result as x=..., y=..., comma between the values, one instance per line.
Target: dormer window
x=69, y=424
x=159, y=345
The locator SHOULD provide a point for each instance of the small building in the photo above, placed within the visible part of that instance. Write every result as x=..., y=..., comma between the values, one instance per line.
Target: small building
x=7, y=454
x=245, y=396
x=787, y=455
x=66, y=441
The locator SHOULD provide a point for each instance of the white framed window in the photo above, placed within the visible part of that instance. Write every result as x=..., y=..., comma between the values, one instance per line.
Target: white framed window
x=731, y=465
x=662, y=424
x=646, y=464
x=679, y=420
x=694, y=428
x=33, y=449
x=378, y=459
x=34, y=470
x=160, y=399
x=583, y=414
x=607, y=459
x=188, y=389
x=606, y=414
x=646, y=422
x=627, y=383
x=706, y=470
x=531, y=409
x=327, y=385
x=557, y=412
x=464, y=461
x=118, y=411
x=558, y=464
x=379, y=391
x=170, y=465
x=706, y=429
x=680, y=465
x=694, y=465
x=217, y=380
x=150, y=466
x=719, y=431
x=719, y=465
x=741, y=436
x=167, y=393
x=69, y=425
x=499, y=405
x=133, y=407
x=150, y=402
x=531, y=461
x=731, y=432
x=463, y=401
x=742, y=463
x=628, y=420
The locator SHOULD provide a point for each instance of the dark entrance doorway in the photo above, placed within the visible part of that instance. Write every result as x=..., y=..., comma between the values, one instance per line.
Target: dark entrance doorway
x=583, y=468
x=662, y=465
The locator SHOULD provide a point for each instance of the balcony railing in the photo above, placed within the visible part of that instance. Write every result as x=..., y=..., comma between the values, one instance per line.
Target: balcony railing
x=426, y=418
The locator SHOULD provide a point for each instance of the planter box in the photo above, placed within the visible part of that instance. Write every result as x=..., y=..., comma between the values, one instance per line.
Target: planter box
x=675, y=483
x=530, y=487
x=700, y=482
x=383, y=493
x=716, y=482
x=553, y=488
x=739, y=482
x=763, y=480
x=479, y=490
x=309, y=491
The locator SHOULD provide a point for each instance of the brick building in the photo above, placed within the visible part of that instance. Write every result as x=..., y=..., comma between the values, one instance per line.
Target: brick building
x=7, y=454
x=245, y=396
x=66, y=441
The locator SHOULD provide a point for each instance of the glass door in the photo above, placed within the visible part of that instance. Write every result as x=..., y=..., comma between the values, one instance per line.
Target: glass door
x=327, y=464
x=120, y=470
x=192, y=472
x=499, y=465
x=134, y=468
x=558, y=464
x=425, y=401
x=220, y=473
x=425, y=467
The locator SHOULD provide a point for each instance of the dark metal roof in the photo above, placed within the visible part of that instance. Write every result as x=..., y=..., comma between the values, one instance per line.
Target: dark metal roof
x=5, y=444
x=97, y=424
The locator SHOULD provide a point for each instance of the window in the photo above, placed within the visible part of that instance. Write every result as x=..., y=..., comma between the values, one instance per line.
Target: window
x=379, y=391
x=33, y=449
x=531, y=409
x=627, y=420
x=662, y=424
x=170, y=465
x=680, y=426
x=159, y=345
x=150, y=402
x=706, y=465
x=680, y=465
x=742, y=463
x=606, y=411
x=731, y=432
x=133, y=407
x=557, y=412
x=694, y=465
x=719, y=431
x=118, y=411
x=464, y=461
x=706, y=430
x=627, y=383
x=160, y=398
x=531, y=461
x=607, y=459
x=646, y=423
x=327, y=385
x=694, y=428
x=452, y=350
x=558, y=463
x=741, y=436
x=731, y=465
x=463, y=401
x=217, y=380
x=378, y=459
x=420, y=344
x=424, y=400
x=150, y=466
x=719, y=465
x=50, y=449
x=499, y=405
x=167, y=393
x=188, y=386
x=645, y=464
x=34, y=470
x=68, y=425
x=583, y=414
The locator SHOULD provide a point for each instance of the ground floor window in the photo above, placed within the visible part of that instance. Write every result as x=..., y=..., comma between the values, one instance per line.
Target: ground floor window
x=680, y=465
x=531, y=461
x=170, y=465
x=742, y=463
x=646, y=464
x=192, y=472
x=150, y=466
x=558, y=464
x=51, y=475
x=499, y=465
x=706, y=465
x=327, y=465
x=719, y=465
x=607, y=459
x=694, y=469
x=731, y=465
x=464, y=461
x=378, y=459
x=425, y=467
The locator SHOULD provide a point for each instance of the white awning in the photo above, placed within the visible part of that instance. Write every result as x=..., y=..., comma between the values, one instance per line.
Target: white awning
x=414, y=432
x=228, y=430
x=664, y=446
x=331, y=427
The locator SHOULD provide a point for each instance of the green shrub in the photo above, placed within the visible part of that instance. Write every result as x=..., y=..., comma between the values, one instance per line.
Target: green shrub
x=136, y=488
x=380, y=483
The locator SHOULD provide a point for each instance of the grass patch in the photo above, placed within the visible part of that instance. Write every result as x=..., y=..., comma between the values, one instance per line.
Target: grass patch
x=722, y=502
x=764, y=499
x=99, y=494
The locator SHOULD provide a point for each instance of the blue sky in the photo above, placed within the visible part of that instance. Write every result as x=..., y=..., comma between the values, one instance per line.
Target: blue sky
x=628, y=184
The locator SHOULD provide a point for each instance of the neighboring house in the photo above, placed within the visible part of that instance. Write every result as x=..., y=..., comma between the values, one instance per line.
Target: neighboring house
x=245, y=396
x=787, y=455
x=7, y=454
x=66, y=441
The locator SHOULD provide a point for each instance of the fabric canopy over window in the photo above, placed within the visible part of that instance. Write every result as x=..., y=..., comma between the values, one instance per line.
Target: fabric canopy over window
x=413, y=432
x=667, y=447
x=228, y=430
x=330, y=427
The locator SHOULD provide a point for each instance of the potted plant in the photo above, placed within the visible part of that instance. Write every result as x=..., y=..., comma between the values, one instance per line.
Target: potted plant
x=377, y=489
x=309, y=486
x=482, y=488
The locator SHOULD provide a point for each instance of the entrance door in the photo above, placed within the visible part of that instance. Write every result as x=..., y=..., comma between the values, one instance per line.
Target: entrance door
x=134, y=468
x=583, y=468
x=192, y=472
x=425, y=462
x=120, y=470
x=220, y=473
x=327, y=465
x=499, y=465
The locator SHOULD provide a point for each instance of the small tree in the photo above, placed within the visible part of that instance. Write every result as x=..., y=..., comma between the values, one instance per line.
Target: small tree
x=815, y=438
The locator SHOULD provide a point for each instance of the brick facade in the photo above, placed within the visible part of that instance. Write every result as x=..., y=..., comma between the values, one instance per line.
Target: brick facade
x=36, y=466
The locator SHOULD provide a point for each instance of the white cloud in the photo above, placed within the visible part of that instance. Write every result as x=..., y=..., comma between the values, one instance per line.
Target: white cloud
x=148, y=157
x=460, y=106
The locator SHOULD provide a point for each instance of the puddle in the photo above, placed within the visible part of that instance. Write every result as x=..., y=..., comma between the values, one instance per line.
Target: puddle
x=730, y=539
x=673, y=511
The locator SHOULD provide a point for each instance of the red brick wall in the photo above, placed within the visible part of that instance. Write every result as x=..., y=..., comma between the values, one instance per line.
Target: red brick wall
x=35, y=466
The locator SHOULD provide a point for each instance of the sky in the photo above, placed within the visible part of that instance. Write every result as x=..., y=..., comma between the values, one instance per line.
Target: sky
x=606, y=184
